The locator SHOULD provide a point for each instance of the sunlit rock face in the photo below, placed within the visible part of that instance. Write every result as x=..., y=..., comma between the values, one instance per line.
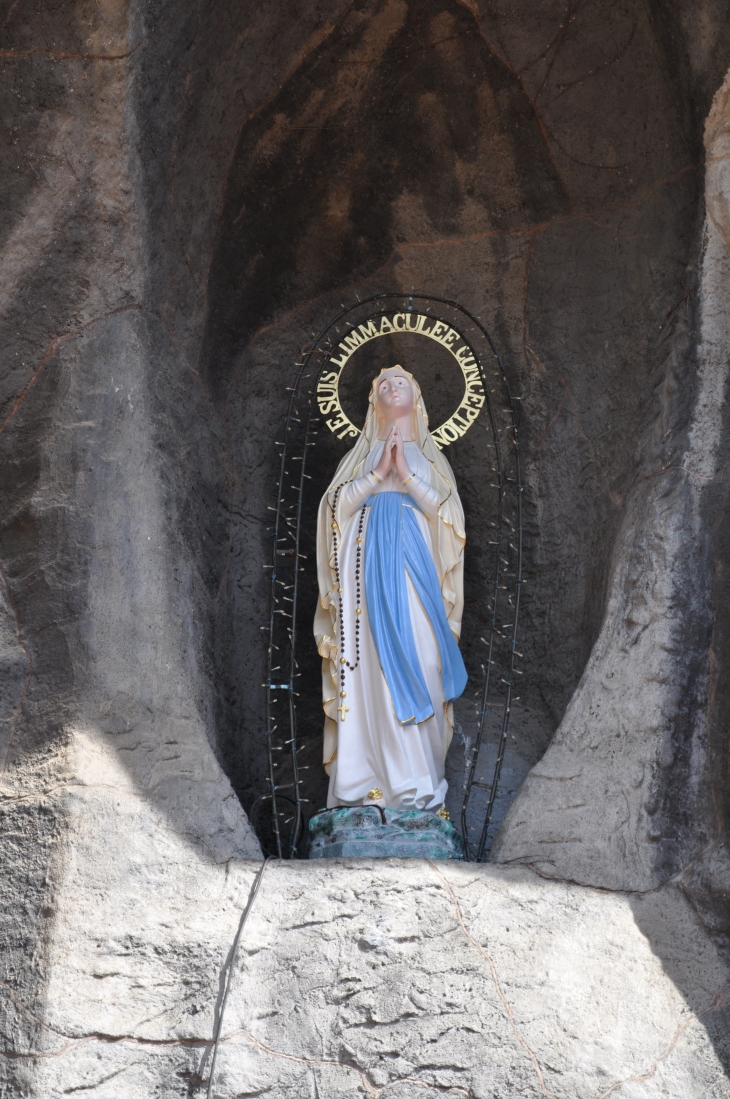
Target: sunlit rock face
x=189, y=192
x=381, y=977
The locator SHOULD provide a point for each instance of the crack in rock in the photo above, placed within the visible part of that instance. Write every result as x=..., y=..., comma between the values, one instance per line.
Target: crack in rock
x=718, y=1001
x=495, y=978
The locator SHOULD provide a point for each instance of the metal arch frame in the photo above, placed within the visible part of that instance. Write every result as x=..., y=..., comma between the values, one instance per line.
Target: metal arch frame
x=282, y=520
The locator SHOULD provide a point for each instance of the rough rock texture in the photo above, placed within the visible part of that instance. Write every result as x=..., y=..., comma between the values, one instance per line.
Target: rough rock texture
x=377, y=978
x=645, y=733
x=189, y=190
x=101, y=593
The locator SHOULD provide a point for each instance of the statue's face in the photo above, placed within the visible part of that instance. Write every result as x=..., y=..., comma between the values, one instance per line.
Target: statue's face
x=394, y=395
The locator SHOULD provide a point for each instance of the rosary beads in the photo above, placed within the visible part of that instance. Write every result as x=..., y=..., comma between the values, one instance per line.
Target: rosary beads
x=344, y=663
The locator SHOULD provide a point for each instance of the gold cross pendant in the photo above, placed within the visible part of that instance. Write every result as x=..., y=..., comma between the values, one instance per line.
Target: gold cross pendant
x=343, y=709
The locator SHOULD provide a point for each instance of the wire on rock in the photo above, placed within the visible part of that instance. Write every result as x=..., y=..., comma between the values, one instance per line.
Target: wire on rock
x=236, y=941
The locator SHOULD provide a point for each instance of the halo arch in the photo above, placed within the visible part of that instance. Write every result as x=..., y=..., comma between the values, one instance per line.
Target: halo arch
x=470, y=405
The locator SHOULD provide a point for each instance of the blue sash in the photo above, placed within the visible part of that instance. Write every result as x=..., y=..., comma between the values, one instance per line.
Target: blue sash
x=394, y=546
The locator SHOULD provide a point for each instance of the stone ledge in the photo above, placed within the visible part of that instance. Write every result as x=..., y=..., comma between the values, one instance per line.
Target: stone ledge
x=370, y=977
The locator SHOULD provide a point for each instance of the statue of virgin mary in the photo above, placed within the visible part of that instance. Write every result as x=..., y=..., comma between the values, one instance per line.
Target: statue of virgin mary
x=390, y=559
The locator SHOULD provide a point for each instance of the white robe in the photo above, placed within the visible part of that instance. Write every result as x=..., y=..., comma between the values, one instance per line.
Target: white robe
x=406, y=762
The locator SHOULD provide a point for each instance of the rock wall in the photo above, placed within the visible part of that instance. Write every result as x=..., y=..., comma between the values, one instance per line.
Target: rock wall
x=645, y=733
x=189, y=191
x=102, y=597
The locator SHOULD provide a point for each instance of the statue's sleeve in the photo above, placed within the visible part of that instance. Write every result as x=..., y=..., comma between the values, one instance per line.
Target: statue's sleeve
x=425, y=496
x=354, y=494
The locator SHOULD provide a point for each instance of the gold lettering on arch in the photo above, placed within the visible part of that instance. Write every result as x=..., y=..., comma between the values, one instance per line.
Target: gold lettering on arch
x=328, y=395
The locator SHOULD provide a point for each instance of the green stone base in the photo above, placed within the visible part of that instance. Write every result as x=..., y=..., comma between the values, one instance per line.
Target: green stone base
x=360, y=832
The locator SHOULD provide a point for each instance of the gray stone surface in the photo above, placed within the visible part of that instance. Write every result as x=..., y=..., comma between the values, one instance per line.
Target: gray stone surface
x=637, y=738
x=369, y=978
